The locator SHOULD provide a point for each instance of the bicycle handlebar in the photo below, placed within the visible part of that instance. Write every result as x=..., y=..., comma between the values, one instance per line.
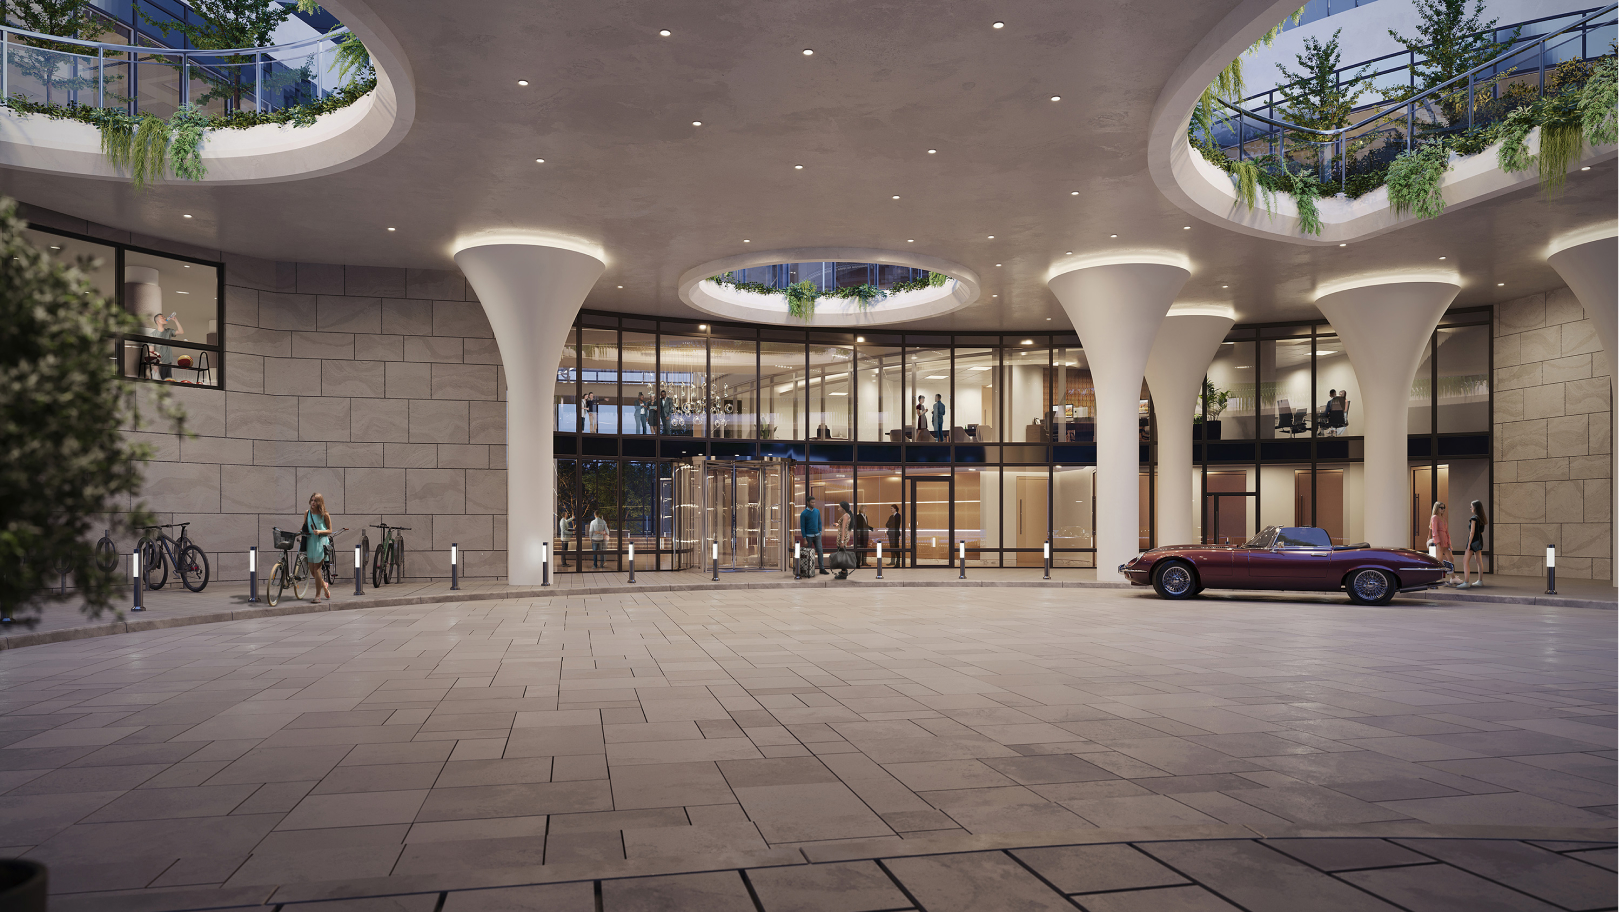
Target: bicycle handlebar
x=385, y=527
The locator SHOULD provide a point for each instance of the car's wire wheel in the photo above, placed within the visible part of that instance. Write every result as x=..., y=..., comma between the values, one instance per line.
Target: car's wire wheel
x=1370, y=585
x=1176, y=579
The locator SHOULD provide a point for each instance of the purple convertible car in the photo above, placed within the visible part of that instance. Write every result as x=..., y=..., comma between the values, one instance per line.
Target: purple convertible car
x=1287, y=557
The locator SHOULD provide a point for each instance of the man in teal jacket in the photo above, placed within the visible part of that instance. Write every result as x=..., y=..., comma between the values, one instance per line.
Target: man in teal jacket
x=809, y=526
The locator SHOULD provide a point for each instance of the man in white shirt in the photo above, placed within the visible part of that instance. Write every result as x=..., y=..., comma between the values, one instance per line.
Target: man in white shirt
x=598, y=540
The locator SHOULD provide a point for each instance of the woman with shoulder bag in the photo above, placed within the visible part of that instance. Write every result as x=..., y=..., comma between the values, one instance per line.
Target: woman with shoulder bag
x=1476, y=525
x=318, y=535
x=1439, y=539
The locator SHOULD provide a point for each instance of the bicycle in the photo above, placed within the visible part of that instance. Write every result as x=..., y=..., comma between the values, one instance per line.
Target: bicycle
x=388, y=560
x=292, y=572
x=157, y=554
x=333, y=565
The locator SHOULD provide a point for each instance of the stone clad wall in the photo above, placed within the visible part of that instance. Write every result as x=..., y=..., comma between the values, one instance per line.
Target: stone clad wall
x=380, y=388
x=1553, y=442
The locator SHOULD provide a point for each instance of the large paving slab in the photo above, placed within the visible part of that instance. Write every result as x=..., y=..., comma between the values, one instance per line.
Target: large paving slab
x=430, y=748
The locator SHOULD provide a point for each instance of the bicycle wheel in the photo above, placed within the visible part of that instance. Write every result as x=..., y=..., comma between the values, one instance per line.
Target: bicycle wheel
x=154, y=565
x=300, y=572
x=106, y=555
x=378, y=563
x=278, y=582
x=192, y=565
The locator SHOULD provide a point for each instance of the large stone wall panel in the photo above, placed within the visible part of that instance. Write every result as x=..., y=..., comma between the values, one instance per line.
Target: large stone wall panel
x=324, y=418
x=463, y=456
x=409, y=380
x=241, y=306
x=435, y=284
x=374, y=281
x=480, y=351
x=261, y=417
x=380, y=421
x=292, y=376
x=180, y=487
x=245, y=373
x=375, y=491
x=435, y=491
x=269, y=343
x=327, y=482
x=323, y=345
x=433, y=421
x=1585, y=396
x=355, y=455
x=472, y=533
x=369, y=347
x=350, y=314
x=292, y=312
x=410, y=455
x=406, y=317
x=464, y=381
x=461, y=318
x=432, y=348
x=288, y=453
x=320, y=278
x=488, y=422
x=217, y=450
x=353, y=379
x=1521, y=315
x=486, y=491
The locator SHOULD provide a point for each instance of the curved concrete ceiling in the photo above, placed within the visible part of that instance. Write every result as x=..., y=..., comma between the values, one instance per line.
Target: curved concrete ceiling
x=610, y=108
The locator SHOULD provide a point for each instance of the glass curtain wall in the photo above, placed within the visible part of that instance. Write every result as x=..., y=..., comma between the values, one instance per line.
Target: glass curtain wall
x=683, y=382
x=1074, y=411
x=735, y=386
x=927, y=383
x=831, y=378
x=880, y=490
x=598, y=371
x=781, y=402
x=639, y=386
x=880, y=406
x=566, y=398
x=1029, y=393
x=975, y=415
x=1335, y=380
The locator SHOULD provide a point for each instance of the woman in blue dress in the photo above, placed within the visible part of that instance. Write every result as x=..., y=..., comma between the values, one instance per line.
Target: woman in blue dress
x=317, y=544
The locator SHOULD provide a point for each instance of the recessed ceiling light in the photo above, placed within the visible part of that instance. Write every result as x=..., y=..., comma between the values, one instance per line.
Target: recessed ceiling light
x=182, y=292
x=702, y=326
x=910, y=240
x=664, y=32
x=696, y=123
x=1500, y=284
x=187, y=215
x=393, y=229
x=997, y=264
x=1586, y=168
x=1225, y=286
x=860, y=338
x=187, y=265
x=933, y=151
x=1069, y=253
x=1112, y=235
x=991, y=237
x=522, y=82
x=994, y=296
x=896, y=197
x=539, y=161
x=798, y=167
x=999, y=25
x=1028, y=341
x=935, y=377
x=1056, y=98
x=1343, y=245
x=1073, y=193
x=747, y=240
x=1441, y=258
x=1048, y=319
x=1186, y=228
x=808, y=52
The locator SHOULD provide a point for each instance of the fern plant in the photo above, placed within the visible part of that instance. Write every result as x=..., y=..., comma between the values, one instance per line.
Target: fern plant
x=801, y=300
x=1414, y=178
x=1597, y=102
x=185, y=143
x=149, y=151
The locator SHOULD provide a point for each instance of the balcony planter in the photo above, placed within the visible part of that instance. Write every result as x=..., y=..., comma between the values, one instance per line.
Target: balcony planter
x=22, y=885
x=1213, y=426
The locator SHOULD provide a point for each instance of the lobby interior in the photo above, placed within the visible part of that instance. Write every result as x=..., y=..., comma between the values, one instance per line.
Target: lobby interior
x=586, y=302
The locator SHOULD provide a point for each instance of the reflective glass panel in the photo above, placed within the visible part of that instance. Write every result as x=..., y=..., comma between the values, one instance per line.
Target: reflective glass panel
x=735, y=388
x=1074, y=412
x=178, y=306
x=830, y=403
x=567, y=387
x=638, y=410
x=781, y=380
x=1231, y=390
x=927, y=381
x=1464, y=379
x=1336, y=388
x=974, y=417
x=683, y=398
x=1073, y=521
x=1028, y=378
x=598, y=367
x=880, y=397
x=882, y=499
x=1284, y=387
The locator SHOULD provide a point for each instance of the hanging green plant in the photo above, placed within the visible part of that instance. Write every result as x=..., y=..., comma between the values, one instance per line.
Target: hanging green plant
x=1597, y=103
x=801, y=298
x=186, y=129
x=1413, y=181
x=149, y=151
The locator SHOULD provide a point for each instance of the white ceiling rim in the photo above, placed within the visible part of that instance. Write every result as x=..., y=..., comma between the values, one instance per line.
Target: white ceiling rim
x=729, y=304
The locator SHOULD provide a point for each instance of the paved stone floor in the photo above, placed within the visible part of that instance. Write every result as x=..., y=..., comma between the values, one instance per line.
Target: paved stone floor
x=912, y=748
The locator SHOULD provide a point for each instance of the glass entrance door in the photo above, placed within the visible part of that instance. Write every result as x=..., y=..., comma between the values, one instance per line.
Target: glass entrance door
x=932, y=527
x=742, y=506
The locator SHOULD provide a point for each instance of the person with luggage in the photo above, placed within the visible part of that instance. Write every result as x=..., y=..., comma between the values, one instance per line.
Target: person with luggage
x=843, y=560
x=895, y=536
x=809, y=528
x=862, y=537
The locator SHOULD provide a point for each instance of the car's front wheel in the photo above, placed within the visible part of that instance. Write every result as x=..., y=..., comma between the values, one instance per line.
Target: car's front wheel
x=1175, y=580
x=1371, y=587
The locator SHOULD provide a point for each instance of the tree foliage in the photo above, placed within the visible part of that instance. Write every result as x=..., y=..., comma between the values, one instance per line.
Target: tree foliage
x=1316, y=97
x=64, y=462
x=227, y=24
x=63, y=18
x=1450, y=40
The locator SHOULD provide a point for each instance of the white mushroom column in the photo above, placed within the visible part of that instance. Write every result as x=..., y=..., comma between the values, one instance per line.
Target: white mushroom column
x=1116, y=308
x=531, y=292
x=1385, y=325
x=1589, y=270
x=1180, y=357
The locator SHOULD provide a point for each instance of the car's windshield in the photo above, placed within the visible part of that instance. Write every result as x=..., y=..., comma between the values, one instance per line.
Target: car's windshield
x=1263, y=539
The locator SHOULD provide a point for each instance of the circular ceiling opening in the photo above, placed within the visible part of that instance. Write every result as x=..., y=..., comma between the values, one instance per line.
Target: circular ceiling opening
x=829, y=287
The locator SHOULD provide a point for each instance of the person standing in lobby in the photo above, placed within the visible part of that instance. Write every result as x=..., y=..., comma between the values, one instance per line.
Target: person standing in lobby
x=565, y=533
x=598, y=540
x=895, y=523
x=640, y=413
x=921, y=419
x=590, y=413
x=666, y=407
x=938, y=417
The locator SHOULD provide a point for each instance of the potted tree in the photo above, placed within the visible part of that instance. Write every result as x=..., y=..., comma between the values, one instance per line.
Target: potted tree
x=1212, y=401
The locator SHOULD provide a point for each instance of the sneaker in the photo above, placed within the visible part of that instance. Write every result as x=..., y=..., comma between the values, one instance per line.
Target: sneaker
x=826, y=573
x=1477, y=583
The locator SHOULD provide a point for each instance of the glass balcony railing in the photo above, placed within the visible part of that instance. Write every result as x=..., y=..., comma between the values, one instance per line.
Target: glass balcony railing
x=44, y=70
x=1257, y=127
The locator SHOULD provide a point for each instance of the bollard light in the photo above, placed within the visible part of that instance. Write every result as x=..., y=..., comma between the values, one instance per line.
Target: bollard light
x=455, y=578
x=879, y=560
x=358, y=563
x=962, y=547
x=632, y=562
x=1551, y=570
x=796, y=546
x=1048, y=559
x=545, y=563
x=716, y=560
x=253, y=573
x=135, y=574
